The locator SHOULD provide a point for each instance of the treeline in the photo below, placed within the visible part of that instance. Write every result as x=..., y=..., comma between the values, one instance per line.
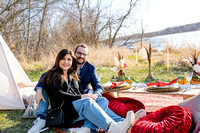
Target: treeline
x=175, y=29
x=33, y=28
x=170, y=30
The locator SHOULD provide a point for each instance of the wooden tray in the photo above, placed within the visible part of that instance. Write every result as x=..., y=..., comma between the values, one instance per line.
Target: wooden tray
x=163, y=89
x=118, y=88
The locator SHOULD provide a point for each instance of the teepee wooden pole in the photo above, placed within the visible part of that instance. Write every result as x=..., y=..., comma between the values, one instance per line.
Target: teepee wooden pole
x=168, y=61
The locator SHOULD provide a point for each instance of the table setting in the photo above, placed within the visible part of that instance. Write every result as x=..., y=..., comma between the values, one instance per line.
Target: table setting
x=173, y=86
x=116, y=86
x=186, y=84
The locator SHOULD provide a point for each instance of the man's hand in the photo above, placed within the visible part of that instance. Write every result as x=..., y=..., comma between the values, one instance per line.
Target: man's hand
x=38, y=97
x=89, y=95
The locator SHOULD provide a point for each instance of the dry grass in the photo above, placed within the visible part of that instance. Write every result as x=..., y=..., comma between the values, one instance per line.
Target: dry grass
x=101, y=56
x=104, y=57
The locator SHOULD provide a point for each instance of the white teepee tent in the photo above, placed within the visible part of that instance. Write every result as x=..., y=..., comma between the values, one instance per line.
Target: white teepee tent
x=11, y=73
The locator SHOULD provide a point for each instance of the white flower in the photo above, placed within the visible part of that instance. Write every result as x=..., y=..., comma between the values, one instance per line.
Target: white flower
x=196, y=68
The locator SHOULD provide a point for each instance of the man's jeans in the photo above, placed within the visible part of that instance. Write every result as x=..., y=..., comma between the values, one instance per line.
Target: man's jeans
x=93, y=112
x=43, y=107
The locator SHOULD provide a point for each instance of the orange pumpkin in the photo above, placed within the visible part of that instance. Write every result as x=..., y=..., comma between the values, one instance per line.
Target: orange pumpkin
x=182, y=82
x=194, y=81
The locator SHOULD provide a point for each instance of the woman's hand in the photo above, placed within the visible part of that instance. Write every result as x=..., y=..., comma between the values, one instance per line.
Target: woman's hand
x=89, y=95
x=39, y=96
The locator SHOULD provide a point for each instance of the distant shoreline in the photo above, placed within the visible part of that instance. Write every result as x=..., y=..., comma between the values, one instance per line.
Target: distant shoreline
x=159, y=42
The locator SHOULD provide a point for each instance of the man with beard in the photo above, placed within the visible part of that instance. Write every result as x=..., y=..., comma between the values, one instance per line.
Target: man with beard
x=87, y=75
x=86, y=72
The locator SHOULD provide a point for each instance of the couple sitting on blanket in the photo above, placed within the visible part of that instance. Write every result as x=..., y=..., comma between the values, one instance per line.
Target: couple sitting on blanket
x=68, y=81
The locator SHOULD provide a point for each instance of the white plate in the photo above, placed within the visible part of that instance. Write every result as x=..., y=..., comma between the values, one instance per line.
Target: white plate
x=191, y=86
x=195, y=86
x=141, y=85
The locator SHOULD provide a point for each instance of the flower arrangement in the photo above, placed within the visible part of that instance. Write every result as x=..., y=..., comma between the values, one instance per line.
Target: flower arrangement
x=196, y=75
x=120, y=65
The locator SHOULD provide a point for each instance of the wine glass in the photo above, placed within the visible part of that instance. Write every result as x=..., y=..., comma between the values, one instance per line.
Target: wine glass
x=188, y=76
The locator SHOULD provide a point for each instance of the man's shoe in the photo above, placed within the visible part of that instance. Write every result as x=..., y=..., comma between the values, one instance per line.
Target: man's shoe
x=139, y=114
x=79, y=130
x=38, y=126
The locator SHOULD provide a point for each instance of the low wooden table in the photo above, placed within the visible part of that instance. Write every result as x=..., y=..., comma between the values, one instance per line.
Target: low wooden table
x=184, y=93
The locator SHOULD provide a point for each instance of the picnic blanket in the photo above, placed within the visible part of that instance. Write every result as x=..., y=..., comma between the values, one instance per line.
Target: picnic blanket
x=154, y=102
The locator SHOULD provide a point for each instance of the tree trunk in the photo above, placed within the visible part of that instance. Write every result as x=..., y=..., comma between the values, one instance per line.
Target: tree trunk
x=28, y=30
x=80, y=10
x=40, y=32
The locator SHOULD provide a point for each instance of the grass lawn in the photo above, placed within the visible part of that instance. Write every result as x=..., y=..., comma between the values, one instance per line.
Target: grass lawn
x=13, y=122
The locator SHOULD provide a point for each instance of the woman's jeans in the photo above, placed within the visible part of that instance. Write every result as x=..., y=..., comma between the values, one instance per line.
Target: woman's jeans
x=93, y=112
x=43, y=107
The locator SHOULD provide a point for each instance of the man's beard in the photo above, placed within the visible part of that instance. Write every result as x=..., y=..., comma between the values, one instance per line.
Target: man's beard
x=80, y=63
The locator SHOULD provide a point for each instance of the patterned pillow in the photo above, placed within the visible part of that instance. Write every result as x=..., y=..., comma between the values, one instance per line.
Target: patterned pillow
x=31, y=109
x=170, y=119
x=122, y=105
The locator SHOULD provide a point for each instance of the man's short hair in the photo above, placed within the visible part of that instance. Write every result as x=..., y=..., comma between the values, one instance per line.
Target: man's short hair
x=81, y=45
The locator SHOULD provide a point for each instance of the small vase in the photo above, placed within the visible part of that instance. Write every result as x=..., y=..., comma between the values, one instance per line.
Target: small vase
x=121, y=73
x=194, y=80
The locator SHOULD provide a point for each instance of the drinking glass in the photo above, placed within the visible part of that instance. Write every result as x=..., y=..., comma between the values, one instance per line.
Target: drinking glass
x=188, y=76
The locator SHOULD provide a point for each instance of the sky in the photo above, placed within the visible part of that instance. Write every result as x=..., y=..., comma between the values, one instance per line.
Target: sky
x=160, y=14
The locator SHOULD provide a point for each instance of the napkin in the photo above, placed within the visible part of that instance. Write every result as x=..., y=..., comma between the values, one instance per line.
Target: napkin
x=160, y=83
x=116, y=84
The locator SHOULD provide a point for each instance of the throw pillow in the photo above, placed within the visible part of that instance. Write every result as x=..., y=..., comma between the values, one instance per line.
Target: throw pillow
x=122, y=105
x=170, y=119
x=193, y=105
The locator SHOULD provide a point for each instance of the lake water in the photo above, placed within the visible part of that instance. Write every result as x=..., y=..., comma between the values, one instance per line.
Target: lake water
x=177, y=40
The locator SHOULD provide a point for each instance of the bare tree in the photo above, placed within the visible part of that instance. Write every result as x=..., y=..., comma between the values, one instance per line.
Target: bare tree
x=121, y=21
x=90, y=20
x=32, y=28
x=9, y=12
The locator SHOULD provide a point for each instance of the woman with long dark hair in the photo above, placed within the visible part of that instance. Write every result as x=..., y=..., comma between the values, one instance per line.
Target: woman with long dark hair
x=62, y=84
